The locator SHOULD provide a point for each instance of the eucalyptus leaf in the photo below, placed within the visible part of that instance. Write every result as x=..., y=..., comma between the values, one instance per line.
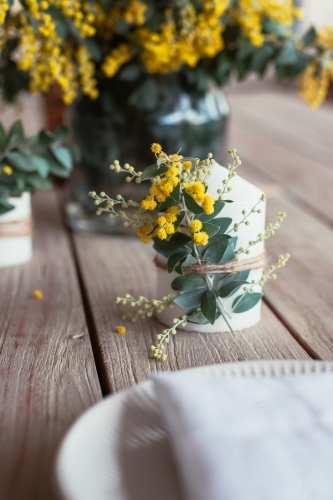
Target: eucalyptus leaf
x=175, y=258
x=208, y=306
x=153, y=170
x=188, y=282
x=179, y=220
x=245, y=302
x=176, y=243
x=214, y=253
x=190, y=299
x=160, y=161
x=197, y=318
x=63, y=156
x=3, y=137
x=231, y=288
x=191, y=204
x=210, y=229
x=230, y=277
x=288, y=54
x=41, y=166
x=223, y=223
x=21, y=160
x=229, y=254
x=15, y=135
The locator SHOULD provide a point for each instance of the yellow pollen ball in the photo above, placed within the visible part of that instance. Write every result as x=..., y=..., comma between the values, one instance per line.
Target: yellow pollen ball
x=7, y=170
x=200, y=238
x=195, y=226
x=37, y=294
x=121, y=330
x=156, y=148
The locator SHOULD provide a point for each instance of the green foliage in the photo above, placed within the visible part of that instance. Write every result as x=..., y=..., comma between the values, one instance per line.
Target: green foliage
x=28, y=163
x=245, y=302
x=191, y=299
x=191, y=204
x=188, y=282
x=208, y=306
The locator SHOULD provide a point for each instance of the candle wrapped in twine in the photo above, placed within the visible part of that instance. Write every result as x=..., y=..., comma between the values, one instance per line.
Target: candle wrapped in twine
x=257, y=262
x=16, y=228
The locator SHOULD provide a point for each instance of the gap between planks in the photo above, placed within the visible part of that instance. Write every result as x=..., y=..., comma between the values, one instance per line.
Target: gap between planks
x=48, y=378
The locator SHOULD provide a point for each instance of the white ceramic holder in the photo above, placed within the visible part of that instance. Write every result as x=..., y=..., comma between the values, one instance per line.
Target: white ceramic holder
x=16, y=232
x=245, y=196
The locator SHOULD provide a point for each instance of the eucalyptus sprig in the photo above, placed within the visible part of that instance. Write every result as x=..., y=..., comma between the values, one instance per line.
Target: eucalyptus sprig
x=185, y=225
x=29, y=163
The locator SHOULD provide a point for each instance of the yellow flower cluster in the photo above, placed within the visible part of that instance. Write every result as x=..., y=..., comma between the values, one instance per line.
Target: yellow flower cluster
x=115, y=60
x=161, y=189
x=81, y=14
x=198, y=191
x=249, y=15
x=199, y=237
x=200, y=36
x=3, y=10
x=135, y=13
x=162, y=227
x=326, y=37
x=315, y=83
x=86, y=72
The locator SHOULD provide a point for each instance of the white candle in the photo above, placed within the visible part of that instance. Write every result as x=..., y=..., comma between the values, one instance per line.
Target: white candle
x=245, y=196
x=16, y=248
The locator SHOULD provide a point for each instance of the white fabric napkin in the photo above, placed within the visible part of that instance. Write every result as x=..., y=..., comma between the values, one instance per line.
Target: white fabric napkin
x=256, y=438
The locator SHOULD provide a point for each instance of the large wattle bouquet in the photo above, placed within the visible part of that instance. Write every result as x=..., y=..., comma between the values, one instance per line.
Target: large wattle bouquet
x=193, y=238
x=133, y=46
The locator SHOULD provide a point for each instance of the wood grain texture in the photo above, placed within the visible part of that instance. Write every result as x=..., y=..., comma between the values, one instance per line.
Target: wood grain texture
x=111, y=267
x=47, y=378
x=302, y=297
x=289, y=142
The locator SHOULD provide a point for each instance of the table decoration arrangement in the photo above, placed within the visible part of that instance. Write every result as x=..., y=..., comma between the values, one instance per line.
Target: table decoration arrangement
x=27, y=164
x=140, y=71
x=211, y=267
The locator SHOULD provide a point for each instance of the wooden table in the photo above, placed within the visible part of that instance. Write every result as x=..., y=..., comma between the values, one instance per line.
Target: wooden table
x=61, y=355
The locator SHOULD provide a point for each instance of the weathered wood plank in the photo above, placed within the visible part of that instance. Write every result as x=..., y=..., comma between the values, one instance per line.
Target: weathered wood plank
x=305, y=180
x=303, y=296
x=47, y=378
x=271, y=117
x=114, y=266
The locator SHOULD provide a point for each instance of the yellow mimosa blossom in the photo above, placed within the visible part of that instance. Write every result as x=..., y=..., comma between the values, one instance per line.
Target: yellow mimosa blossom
x=187, y=165
x=200, y=238
x=37, y=294
x=116, y=59
x=195, y=226
x=170, y=228
x=208, y=204
x=315, y=83
x=172, y=171
x=7, y=170
x=148, y=203
x=121, y=329
x=161, y=233
x=143, y=232
x=161, y=221
x=156, y=148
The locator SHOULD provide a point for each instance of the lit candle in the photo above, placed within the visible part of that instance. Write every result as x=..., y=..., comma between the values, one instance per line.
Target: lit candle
x=245, y=196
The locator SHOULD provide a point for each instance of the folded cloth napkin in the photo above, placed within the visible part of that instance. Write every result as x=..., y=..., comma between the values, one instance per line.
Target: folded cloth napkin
x=256, y=438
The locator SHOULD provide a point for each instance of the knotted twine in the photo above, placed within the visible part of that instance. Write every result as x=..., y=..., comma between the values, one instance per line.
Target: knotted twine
x=257, y=262
x=13, y=228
